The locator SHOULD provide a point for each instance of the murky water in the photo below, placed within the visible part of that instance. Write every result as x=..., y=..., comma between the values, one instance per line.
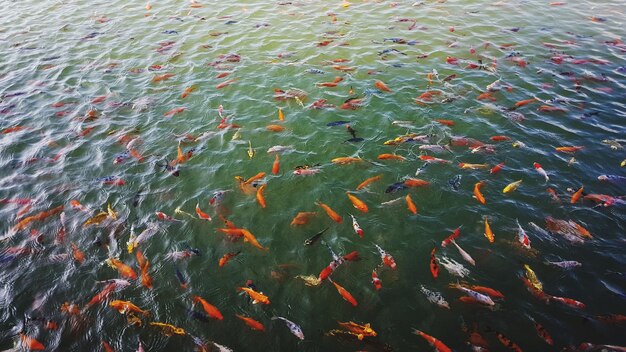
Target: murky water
x=84, y=96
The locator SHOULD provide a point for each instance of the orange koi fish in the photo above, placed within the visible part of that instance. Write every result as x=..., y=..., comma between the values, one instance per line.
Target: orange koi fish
x=387, y=156
x=127, y=306
x=13, y=129
x=486, y=96
x=256, y=177
x=259, y=196
x=576, y=196
x=302, y=218
x=525, y=102
x=78, y=255
x=437, y=344
x=276, y=166
x=548, y=108
x=410, y=205
x=102, y=295
x=344, y=293
x=144, y=265
x=368, y=181
x=346, y=160
x=123, y=269
x=187, y=90
x=415, y=182
x=275, y=128
x=488, y=232
x=382, y=86
x=477, y=194
x=500, y=138
x=31, y=343
x=202, y=215
x=448, y=123
x=175, y=111
x=106, y=346
x=570, y=150
x=281, y=115
x=331, y=213
x=228, y=256
x=253, y=324
x=225, y=83
x=210, y=309
x=38, y=217
x=432, y=159
x=162, y=77
x=259, y=297
x=249, y=237
x=357, y=203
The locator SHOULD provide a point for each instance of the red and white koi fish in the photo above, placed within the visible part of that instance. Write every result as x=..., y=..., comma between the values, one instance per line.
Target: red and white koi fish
x=386, y=257
x=356, y=227
x=541, y=171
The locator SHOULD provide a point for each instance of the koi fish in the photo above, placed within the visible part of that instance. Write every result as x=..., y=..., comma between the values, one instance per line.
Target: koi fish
x=360, y=331
x=38, y=217
x=356, y=227
x=225, y=83
x=293, y=327
x=532, y=278
x=78, y=255
x=163, y=77
x=541, y=171
x=123, y=269
x=522, y=236
x=144, y=265
x=434, y=297
x=226, y=257
x=482, y=298
x=126, y=307
x=507, y=342
x=259, y=196
x=187, y=91
x=31, y=343
x=181, y=279
x=276, y=166
x=511, y=187
x=162, y=216
x=376, y=281
x=477, y=194
x=566, y=264
x=463, y=253
x=455, y=234
x=168, y=329
x=386, y=257
x=202, y=215
x=344, y=293
x=302, y=218
x=357, y=203
x=410, y=205
x=473, y=166
x=346, y=160
x=253, y=324
x=210, y=309
x=310, y=280
x=576, y=195
x=569, y=150
x=311, y=240
x=488, y=233
x=437, y=344
x=486, y=290
x=569, y=301
x=453, y=267
x=249, y=237
x=368, y=181
x=331, y=213
x=434, y=267
x=175, y=111
x=382, y=86
x=256, y=296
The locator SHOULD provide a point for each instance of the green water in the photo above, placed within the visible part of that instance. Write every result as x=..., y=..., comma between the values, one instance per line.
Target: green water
x=75, y=51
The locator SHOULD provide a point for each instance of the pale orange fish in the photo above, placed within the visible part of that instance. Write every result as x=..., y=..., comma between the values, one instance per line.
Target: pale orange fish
x=368, y=181
x=162, y=77
x=187, y=90
x=225, y=83
x=357, y=203
x=387, y=156
x=331, y=213
x=276, y=166
x=302, y=218
x=275, y=128
x=249, y=237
